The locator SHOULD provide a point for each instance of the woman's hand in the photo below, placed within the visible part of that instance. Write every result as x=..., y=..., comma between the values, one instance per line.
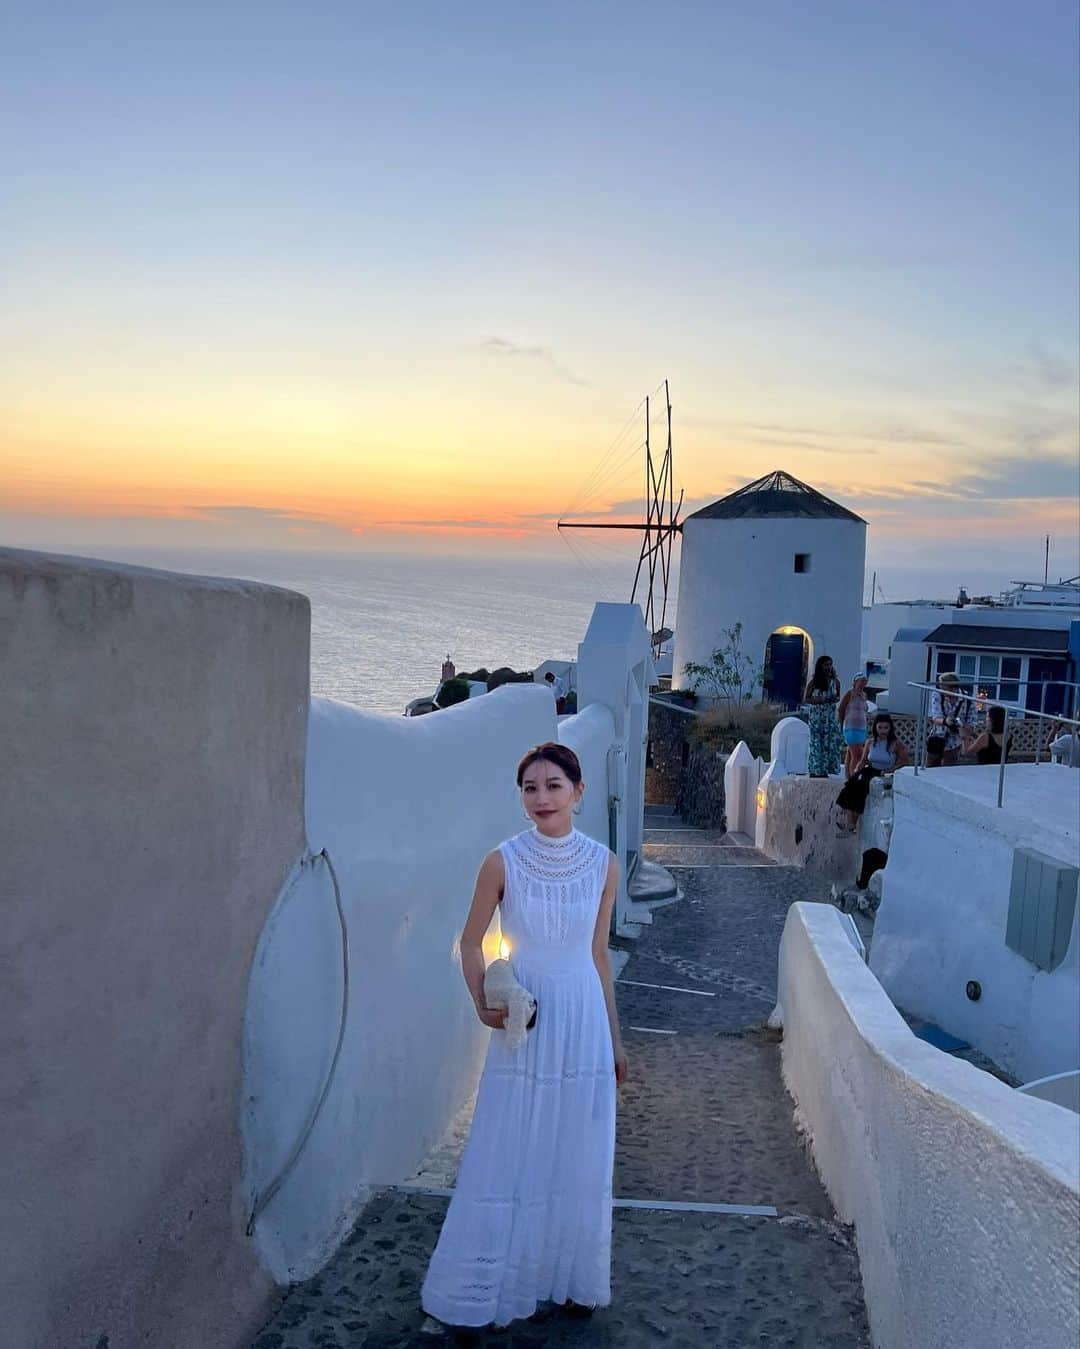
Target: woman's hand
x=493, y=1017
x=622, y=1067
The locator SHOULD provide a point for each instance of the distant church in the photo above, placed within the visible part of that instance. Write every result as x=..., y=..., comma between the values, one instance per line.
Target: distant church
x=787, y=563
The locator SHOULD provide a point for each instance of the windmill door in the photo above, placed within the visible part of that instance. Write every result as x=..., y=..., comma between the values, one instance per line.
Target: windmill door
x=786, y=665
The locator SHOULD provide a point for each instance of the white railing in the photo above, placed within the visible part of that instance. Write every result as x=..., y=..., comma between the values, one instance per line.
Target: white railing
x=1012, y=715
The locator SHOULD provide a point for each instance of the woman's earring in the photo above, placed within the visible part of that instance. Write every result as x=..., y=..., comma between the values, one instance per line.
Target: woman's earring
x=577, y=808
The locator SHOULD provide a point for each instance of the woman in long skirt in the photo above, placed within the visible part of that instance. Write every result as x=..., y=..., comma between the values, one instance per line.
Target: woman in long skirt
x=530, y=1219
x=826, y=748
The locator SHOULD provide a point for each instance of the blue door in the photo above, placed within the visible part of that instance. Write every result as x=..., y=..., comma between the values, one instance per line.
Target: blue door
x=785, y=661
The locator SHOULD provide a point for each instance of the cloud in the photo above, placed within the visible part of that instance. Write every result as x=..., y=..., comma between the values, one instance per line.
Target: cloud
x=1044, y=370
x=501, y=346
x=821, y=439
x=273, y=520
x=187, y=526
x=1021, y=477
x=446, y=524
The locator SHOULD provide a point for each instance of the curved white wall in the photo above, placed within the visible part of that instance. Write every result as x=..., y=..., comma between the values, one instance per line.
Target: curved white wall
x=945, y=904
x=744, y=571
x=407, y=808
x=965, y=1195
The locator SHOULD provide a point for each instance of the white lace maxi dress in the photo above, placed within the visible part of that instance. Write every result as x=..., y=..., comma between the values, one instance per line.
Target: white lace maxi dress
x=530, y=1220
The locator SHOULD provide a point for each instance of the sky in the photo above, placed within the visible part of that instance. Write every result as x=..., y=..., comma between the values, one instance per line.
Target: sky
x=347, y=276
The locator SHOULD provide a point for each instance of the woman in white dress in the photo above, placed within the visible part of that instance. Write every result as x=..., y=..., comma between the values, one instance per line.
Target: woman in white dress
x=530, y=1219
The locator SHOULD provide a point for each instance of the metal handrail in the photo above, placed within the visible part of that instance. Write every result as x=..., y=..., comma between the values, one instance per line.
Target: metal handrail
x=1014, y=713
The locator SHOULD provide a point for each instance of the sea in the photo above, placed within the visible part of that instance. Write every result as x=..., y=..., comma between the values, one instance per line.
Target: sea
x=382, y=624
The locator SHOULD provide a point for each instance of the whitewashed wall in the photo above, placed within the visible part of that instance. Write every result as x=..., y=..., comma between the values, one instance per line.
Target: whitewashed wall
x=744, y=571
x=965, y=1195
x=615, y=669
x=407, y=809
x=945, y=903
x=590, y=735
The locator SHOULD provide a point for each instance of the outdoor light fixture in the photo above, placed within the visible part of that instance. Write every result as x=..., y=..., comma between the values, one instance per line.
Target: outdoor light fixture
x=504, y=949
x=761, y=798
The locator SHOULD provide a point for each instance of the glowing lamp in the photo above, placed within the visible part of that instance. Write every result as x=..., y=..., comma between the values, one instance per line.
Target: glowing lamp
x=504, y=949
x=760, y=798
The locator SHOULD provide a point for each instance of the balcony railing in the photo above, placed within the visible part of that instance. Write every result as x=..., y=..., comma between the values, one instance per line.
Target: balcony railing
x=1013, y=716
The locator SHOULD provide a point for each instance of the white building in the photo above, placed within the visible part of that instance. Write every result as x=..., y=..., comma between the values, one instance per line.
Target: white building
x=785, y=562
x=1022, y=650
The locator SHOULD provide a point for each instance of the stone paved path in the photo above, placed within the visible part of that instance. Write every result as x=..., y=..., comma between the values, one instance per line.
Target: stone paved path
x=705, y=1118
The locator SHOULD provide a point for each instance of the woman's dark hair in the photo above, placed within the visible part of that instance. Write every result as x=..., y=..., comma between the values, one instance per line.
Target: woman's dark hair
x=880, y=717
x=554, y=753
x=996, y=718
x=821, y=680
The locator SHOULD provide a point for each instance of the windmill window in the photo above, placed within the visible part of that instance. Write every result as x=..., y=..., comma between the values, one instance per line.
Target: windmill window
x=802, y=562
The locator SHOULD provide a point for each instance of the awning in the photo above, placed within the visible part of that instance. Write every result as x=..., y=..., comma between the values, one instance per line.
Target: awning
x=975, y=637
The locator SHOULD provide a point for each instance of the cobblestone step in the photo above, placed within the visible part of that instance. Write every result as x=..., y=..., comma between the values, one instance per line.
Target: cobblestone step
x=693, y=1280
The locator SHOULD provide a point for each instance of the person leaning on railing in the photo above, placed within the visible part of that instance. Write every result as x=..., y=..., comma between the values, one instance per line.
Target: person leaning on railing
x=950, y=722
x=1063, y=741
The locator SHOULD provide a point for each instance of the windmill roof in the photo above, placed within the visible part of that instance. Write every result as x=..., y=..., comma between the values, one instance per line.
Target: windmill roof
x=775, y=495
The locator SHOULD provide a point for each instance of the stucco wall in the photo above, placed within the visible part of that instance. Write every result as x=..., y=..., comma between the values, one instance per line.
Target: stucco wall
x=407, y=808
x=151, y=805
x=964, y=1193
x=743, y=571
x=945, y=902
x=800, y=818
x=590, y=734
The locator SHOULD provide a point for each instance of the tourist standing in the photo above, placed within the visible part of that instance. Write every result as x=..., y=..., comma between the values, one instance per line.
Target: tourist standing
x=557, y=684
x=826, y=750
x=1063, y=741
x=530, y=1219
x=852, y=714
x=950, y=722
x=991, y=746
x=882, y=754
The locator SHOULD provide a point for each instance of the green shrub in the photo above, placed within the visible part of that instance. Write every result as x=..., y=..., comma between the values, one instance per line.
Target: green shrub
x=504, y=675
x=721, y=730
x=455, y=690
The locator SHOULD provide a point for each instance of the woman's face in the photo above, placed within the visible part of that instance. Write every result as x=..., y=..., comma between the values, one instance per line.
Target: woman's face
x=549, y=796
x=881, y=730
x=827, y=666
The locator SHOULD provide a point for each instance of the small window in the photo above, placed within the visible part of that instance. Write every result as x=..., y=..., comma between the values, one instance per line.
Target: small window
x=988, y=667
x=1010, y=667
x=946, y=660
x=965, y=665
x=802, y=562
x=1008, y=693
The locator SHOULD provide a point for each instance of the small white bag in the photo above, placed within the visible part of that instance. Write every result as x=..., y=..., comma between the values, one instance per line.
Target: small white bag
x=502, y=990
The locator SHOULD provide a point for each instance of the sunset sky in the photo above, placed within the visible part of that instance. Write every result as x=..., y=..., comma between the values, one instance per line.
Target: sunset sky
x=346, y=275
